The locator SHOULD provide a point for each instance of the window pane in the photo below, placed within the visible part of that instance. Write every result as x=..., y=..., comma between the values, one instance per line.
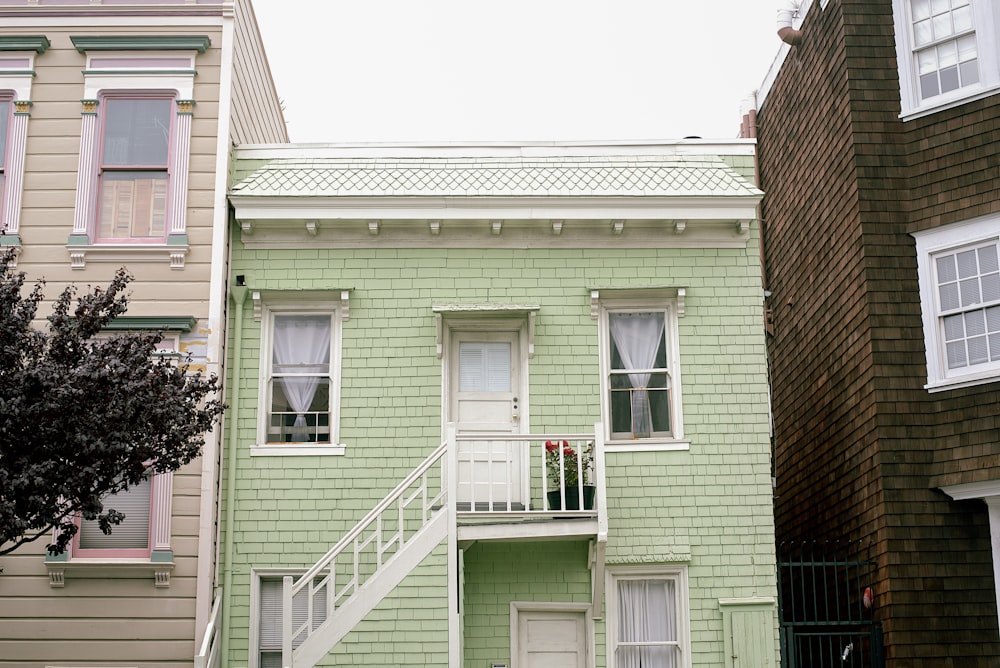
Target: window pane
x=484, y=367
x=270, y=606
x=975, y=323
x=947, y=271
x=133, y=532
x=978, y=350
x=133, y=205
x=300, y=379
x=962, y=16
x=921, y=9
x=136, y=132
x=956, y=355
x=970, y=292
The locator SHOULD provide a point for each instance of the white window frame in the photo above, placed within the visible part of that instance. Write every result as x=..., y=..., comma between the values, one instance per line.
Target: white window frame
x=669, y=303
x=294, y=307
x=257, y=576
x=986, y=20
x=679, y=575
x=114, y=71
x=17, y=72
x=930, y=243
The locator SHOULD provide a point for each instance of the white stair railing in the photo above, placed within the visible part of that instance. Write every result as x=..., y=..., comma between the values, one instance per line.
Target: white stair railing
x=362, y=552
x=208, y=655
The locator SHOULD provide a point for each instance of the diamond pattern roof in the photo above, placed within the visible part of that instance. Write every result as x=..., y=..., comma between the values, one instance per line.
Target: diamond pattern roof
x=633, y=176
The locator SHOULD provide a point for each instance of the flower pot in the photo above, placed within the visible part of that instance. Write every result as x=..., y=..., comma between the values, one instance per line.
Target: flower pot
x=572, y=498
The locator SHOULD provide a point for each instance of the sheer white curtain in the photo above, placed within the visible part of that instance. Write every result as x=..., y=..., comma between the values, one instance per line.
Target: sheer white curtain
x=301, y=346
x=637, y=337
x=647, y=613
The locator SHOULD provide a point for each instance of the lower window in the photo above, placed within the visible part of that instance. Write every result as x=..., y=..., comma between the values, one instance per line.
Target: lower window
x=269, y=609
x=647, y=624
x=128, y=539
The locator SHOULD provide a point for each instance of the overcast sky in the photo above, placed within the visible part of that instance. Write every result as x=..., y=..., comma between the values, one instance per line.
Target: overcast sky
x=516, y=70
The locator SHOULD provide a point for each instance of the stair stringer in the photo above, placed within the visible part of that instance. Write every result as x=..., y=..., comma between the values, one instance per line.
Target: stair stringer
x=370, y=594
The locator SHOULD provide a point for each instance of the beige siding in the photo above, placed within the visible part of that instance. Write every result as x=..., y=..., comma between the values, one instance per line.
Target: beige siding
x=257, y=115
x=117, y=621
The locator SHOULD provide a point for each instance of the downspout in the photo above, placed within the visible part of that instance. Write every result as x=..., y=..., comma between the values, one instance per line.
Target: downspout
x=786, y=13
x=239, y=295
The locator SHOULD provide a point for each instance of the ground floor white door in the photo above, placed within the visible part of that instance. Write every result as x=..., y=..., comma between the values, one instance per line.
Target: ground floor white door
x=551, y=639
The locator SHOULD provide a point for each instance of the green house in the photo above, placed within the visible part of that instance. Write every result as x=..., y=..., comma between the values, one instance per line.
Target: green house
x=496, y=405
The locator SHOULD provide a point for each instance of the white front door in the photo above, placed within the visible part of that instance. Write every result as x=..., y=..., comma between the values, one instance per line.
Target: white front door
x=551, y=639
x=485, y=383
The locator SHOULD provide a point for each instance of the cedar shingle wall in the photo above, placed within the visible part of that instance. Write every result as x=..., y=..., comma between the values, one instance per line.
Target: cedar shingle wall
x=859, y=444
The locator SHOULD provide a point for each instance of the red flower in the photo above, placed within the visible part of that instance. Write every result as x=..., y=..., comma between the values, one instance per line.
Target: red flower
x=568, y=452
x=550, y=446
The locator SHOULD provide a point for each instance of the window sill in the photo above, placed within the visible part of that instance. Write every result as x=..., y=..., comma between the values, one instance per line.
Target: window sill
x=173, y=251
x=648, y=445
x=970, y=380
x=106, y=567
x=297, y=450
x=949, y=103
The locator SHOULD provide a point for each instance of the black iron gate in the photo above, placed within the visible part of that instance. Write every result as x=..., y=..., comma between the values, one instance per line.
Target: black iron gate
x=825, y=607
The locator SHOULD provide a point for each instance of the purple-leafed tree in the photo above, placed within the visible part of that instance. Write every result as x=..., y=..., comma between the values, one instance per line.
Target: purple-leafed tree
x=84, y=416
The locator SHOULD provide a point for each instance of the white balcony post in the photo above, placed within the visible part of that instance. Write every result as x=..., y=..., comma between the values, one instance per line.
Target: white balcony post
x=454, y=619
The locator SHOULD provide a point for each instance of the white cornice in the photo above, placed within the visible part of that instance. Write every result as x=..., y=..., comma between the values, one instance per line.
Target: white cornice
x=973, y=490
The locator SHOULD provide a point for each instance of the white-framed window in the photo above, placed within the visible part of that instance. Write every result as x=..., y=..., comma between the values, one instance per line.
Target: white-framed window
x=959, y=273
x=17, y=62
x=300, y=380
x=135, y=146
x=947, y=53
x=266, y=617
x=134, y=168
x=640, y=370
x=648, y=617
x=131, y=538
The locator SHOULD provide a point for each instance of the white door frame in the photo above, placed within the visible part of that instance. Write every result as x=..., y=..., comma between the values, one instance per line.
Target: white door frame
x=454, y=325
x=519, y=607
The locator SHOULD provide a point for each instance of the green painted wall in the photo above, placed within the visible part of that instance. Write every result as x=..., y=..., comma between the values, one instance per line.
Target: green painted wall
x=709, y=507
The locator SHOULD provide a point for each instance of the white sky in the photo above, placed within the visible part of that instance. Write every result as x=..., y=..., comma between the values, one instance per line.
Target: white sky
x=516, y=70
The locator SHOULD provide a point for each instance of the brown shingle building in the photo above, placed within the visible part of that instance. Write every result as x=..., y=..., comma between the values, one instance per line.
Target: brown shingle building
x=879, y=153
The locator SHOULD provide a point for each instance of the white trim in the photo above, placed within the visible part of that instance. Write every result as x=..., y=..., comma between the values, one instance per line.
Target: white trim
x=275, y=302
x=519, y=607
x=940, y=240
x=43, y=17
x=973, y=490
x=256, y=575
x=985, y=21
x=654, y=301
x=679, y=574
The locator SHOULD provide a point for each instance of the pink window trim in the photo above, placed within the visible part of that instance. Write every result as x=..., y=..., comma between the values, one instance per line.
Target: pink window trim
x=124, y=553
x=99, y=147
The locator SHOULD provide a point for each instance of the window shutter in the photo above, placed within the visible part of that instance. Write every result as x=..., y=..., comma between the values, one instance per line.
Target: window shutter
x=484, y=367
x=133, y=532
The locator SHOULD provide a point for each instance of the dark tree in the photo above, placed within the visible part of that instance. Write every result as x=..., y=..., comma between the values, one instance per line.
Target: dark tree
x=82, y=416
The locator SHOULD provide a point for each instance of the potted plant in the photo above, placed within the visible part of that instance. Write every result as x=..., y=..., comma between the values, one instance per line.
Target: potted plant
x=576, y=473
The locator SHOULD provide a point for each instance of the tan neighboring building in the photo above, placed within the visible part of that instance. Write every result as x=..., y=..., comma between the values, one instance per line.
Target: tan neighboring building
x=116, y=124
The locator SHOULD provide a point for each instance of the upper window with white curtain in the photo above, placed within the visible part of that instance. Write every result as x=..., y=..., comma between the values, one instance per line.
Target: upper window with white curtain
x=947, y=52
x=298, y=413
x=959, y=270
x=648, y=619
x=640, y=372
x=300, y=378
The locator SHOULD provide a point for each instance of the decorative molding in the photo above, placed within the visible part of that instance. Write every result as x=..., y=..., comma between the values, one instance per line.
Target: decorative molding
x=22, y=107
x=680, y=226
x=246, y=227
x=152, y=323
x=675, y=555
x=557, y=227
x=496, y=227
x=373, y=227
x=185, y=106
x=81, y=252
x=479, y=309
x=312, y=227
x=617, y=227
x=313, y=295
x=742, y=227
x=651, y=292
x=84, y=43
x=57, y=577
x=109, y=568
x=89, y=106
x=435, y=227
x=36, y=43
